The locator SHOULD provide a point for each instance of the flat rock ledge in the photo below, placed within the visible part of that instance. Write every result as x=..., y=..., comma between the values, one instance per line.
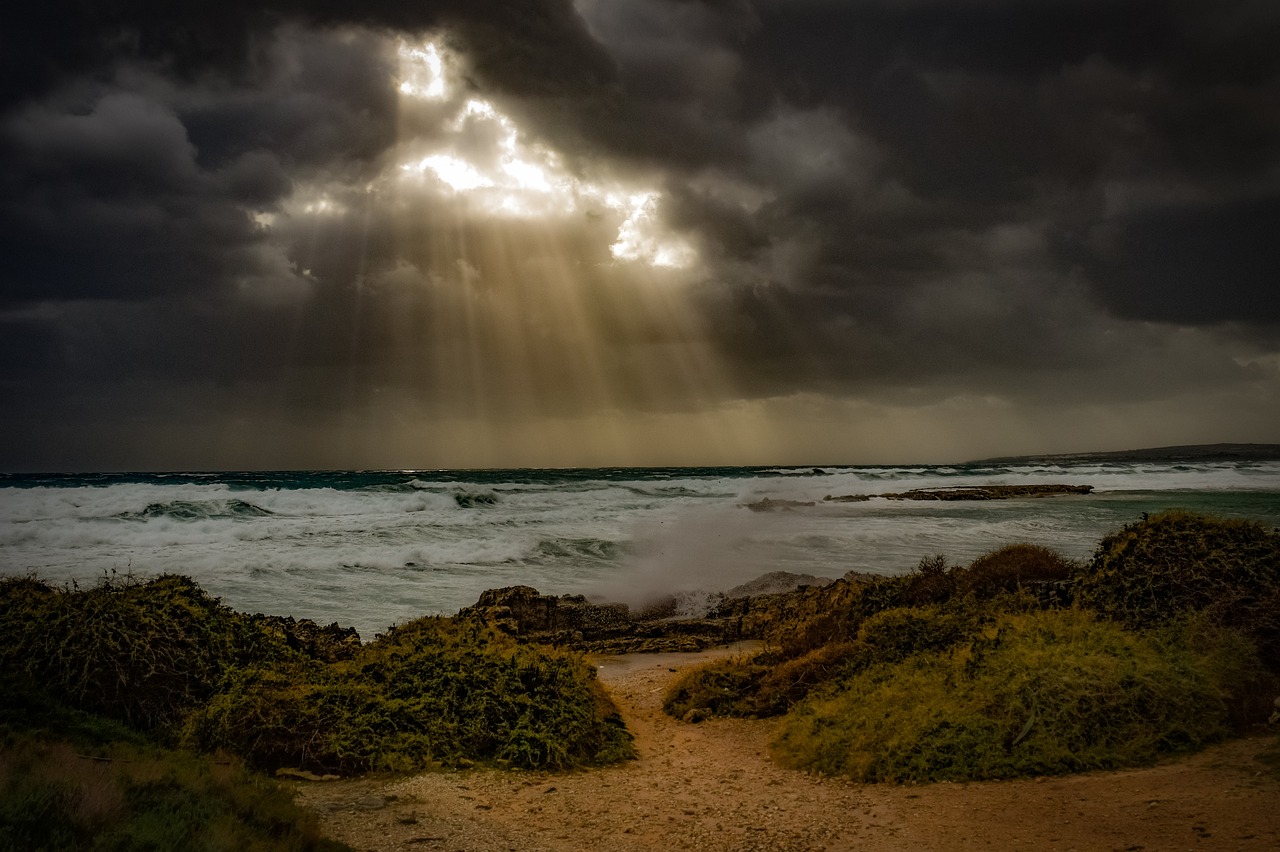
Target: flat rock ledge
x=613, y=628
x=958, y=492
x=989, y=492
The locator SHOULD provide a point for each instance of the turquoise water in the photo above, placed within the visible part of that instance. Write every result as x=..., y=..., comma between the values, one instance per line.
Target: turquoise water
x=370, y=548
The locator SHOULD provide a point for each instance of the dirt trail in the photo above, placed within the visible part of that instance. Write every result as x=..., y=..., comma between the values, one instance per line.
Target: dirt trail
x=711, y=787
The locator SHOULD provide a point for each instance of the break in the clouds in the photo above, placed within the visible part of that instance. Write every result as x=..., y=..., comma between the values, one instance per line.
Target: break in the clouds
x=304, y=233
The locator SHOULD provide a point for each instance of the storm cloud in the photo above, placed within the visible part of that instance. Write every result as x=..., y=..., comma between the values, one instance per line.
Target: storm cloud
x=634, y=231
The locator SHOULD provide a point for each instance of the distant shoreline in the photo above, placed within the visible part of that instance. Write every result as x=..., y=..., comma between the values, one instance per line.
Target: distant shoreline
x=1189, y=452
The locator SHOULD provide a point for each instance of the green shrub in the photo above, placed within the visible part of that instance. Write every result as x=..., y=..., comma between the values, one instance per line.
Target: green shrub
x=933, y=581
x=769, y=684
x=163, y=655
x=1174, y=563
x=1010, y=568
x=896, y=634
x=136, y=797
x=1034, y=693
x=791, y=680
x=142, y=652
x=812, y=618
x=433, y=690
x=720, y=688
x=819, y=616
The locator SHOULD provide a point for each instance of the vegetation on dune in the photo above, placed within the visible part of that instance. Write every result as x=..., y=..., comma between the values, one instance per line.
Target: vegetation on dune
x=139, y=652
x=1011, y=568
x=846, y=627
x=428, y=692
x=1034, y=693
x=164, y=656
x=770, y=683
x=1019, y=663
x=70, y=780
x=127, y=667
x=1172, y=563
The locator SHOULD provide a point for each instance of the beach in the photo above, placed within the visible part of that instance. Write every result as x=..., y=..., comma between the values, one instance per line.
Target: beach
x=600, y=561
x=710, y=786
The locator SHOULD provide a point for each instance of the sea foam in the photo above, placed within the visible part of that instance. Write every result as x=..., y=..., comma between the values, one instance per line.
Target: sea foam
x=372, y=548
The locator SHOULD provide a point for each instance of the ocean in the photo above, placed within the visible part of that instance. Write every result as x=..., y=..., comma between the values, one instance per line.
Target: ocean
x=373, y=548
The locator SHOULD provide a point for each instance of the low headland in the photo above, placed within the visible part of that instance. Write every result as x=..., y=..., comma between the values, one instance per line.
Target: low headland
x=146, y=714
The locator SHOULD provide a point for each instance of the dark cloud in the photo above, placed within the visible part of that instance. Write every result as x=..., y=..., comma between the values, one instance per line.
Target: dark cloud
x=893, y=201
x=960, y=117
x=1194, y=266
x=111, y=203
x=536, y=46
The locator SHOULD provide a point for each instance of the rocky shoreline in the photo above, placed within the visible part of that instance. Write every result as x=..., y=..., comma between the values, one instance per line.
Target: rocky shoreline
x=743, y=613
x=959, y=492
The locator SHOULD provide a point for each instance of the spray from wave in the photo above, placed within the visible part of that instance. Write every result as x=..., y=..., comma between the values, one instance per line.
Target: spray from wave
x=681, y=565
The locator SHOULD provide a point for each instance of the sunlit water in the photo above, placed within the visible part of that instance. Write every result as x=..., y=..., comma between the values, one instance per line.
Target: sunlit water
x=373, y=548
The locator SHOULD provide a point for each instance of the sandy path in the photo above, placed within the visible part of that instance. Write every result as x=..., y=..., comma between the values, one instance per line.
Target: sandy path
x=711, y=787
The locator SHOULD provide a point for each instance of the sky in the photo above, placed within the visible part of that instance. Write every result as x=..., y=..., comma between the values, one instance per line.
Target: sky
x=469, y=233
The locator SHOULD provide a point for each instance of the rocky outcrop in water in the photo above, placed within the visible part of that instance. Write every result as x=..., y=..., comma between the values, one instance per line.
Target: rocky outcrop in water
x=989, y=492
x=759, y=609
x=769, y=504
x=775, y=582
x=523, y=611
x=969, y=492
x=613, y=628
x=573, y=621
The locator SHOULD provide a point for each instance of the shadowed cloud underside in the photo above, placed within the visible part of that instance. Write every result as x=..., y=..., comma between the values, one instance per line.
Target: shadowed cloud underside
x=465, y=234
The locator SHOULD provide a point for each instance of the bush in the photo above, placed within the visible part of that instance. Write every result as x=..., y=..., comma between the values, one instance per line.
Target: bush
x=977, y=672
x=719, y=688
x=130, y=797
x=813, y=618
x=1036, y=693
x=1010, y=568
x=896, y=634
x=1174, y=563
x=431, y=691
x=769, y=684
x=791, y=680
x=142, y=652
x=163, y=655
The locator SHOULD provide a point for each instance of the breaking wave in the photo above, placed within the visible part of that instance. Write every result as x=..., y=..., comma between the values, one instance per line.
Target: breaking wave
x=369, y=548
x=577, y=549
x=472, y=500
x=192, y=510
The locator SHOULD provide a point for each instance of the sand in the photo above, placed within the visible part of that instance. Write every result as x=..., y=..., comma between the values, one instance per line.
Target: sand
x=711, y=786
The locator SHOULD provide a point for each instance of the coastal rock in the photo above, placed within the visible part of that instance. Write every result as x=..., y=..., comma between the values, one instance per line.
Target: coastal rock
x=517, y=609
x=753, y=610
x=768, y=504
x=988, y=492
x=959, y=492
x=748, y=611
x=329, y=644
x=775, y=582
x=523, y=611
x=610, y=628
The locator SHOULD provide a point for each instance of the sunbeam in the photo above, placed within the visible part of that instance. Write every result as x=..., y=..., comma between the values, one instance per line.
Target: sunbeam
x=559, y=302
